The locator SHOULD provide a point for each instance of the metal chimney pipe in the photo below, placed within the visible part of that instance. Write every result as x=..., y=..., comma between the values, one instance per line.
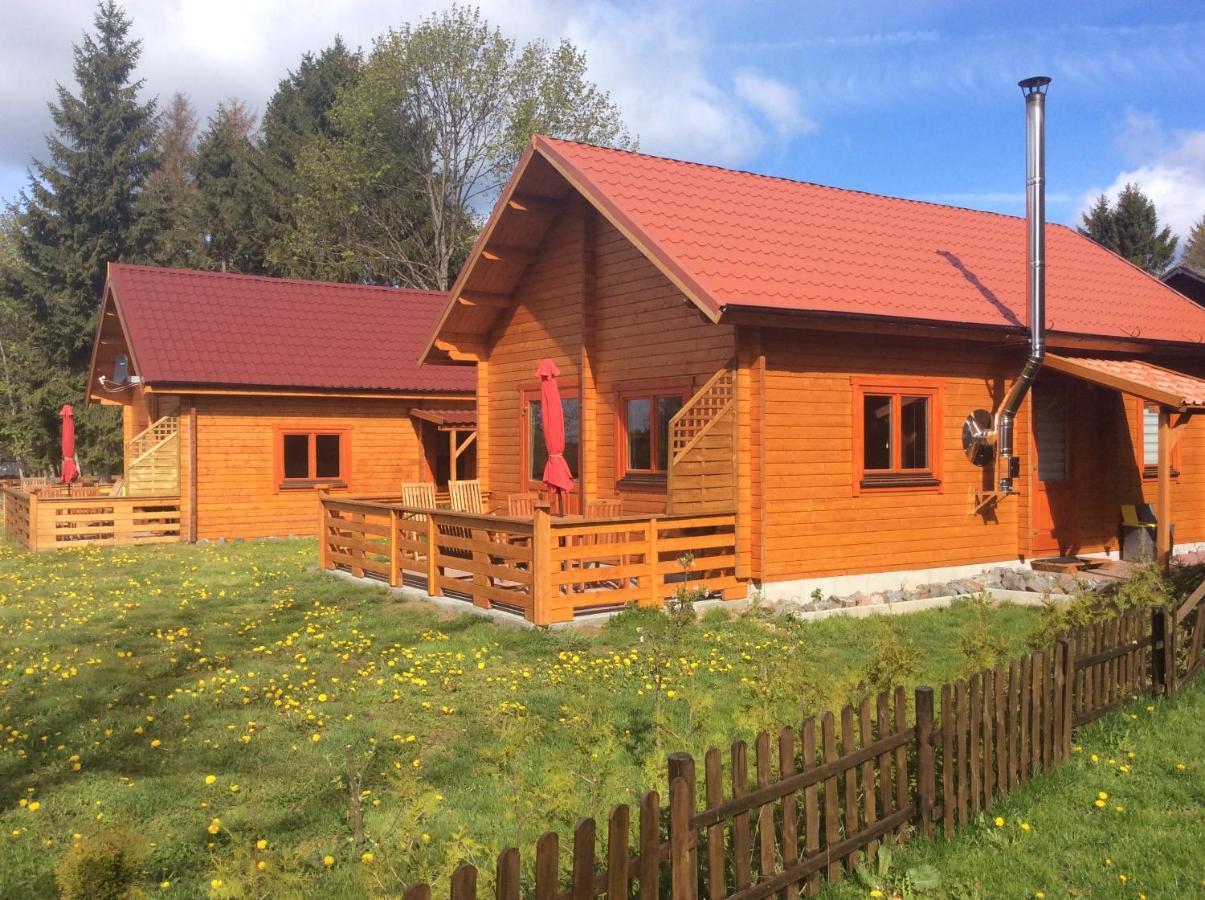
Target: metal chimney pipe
x=1034, y=90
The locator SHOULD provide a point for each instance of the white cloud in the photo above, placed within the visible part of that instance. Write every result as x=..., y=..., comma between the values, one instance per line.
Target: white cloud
x=779, y=104
x=658, y=62
x=1174, y=179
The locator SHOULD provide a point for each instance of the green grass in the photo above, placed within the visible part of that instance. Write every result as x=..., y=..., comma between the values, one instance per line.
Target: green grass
x=1144, y=840
x=129, y=676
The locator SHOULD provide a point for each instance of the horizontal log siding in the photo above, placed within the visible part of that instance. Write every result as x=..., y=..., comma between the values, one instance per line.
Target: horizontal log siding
x=815, y=525
x=644, y=329
x=236, y=477
x=1188, y=491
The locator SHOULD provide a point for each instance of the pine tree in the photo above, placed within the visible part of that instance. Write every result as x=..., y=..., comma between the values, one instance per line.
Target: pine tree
x=230, y=185
x=171, y=202
x=79, y=213
x=1194, y=249
x=1130, y=228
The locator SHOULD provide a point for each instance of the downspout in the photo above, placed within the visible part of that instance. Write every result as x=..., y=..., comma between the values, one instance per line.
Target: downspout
x=1035, y=221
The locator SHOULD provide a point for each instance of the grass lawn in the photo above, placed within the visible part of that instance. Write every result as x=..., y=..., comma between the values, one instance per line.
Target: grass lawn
x=204, y=706
x=1125, y=818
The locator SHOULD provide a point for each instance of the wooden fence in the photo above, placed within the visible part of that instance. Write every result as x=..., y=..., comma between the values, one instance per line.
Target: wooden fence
x=808, y=804
x=50, y=521
x=546, y=569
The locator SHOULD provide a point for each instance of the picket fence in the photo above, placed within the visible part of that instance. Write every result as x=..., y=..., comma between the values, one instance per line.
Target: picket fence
x=825, y=796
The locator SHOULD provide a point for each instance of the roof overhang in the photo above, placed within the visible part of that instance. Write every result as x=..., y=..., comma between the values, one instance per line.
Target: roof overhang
x=1166, y=387
x=447, y=419
x=110, y=329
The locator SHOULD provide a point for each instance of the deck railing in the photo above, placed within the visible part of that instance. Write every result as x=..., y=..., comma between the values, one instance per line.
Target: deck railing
x=49, y=519
x=545, y=568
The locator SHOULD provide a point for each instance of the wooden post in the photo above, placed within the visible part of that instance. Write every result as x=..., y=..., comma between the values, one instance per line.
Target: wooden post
x=395, y=558
x=652, y=560
x=433, y=586
x=1163, y=511
x=323, y=537
x=1163, y=652
x=34, y=525
x=682, y=765
x=541, y=567
x=684, y=874
x=193, y=479
x=1067, y=699
x=925, y=767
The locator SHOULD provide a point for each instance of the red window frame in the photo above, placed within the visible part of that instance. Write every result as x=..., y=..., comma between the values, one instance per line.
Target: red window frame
x=312, y=481
x=1149, y=470
x=897, y=478
x=652, y=392
x=527, y=395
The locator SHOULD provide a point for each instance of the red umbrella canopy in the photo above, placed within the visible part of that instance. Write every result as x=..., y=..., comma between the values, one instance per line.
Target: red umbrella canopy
x=556, y=471
x=70, y=469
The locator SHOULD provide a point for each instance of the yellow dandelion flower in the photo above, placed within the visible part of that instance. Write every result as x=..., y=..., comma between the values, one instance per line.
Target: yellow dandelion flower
x=164, y=885
x=261, y=865
x=1100, y=804
x=328, y=860
x=34, y=806
x=1102, y=796
x=261, y=844
x=999, y=821
x=210, y=779
x=234, y=788
x=216, y=883
x=155, y=744
x=315, y=737
x=367, y=857
x=1025, y=826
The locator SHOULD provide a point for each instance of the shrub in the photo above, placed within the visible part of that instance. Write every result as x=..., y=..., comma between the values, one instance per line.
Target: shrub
x=894, y=661
x=981, y=648
x=105, y=866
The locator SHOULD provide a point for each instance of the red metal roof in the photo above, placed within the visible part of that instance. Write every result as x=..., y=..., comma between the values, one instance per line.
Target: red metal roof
x=739, y=239
x=450, y=418
x=212, y=328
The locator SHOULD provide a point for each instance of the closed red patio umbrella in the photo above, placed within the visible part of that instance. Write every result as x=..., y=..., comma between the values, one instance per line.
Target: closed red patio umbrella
x=557, y=476
x=70, y=469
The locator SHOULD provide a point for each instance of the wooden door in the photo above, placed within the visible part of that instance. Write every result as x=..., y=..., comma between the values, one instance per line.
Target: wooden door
x=1054, y=520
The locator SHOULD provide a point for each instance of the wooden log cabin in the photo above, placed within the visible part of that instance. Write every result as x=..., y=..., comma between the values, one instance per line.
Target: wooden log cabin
x=806, y=358
x=245, y=396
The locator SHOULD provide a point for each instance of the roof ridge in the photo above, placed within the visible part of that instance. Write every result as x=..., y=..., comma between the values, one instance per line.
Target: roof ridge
x=174, y=270
x=783, y=178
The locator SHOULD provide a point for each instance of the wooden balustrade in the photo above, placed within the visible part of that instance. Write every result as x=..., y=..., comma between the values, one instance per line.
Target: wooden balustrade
x=544, y=568
x=50, y=520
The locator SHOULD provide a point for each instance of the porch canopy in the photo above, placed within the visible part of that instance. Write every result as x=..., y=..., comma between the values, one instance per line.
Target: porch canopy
x=1175, y=392
x=460, y=425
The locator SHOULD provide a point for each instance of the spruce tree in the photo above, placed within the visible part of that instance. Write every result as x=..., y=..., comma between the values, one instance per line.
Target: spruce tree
x=230, y=185
x=1194, y=249
x=1130, y=228
x=80, y=212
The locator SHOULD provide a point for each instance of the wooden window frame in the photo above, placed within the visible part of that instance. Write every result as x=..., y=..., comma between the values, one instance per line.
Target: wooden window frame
x=528, y=393
x=289, y=485
x=897, y=479
x=1150, y=472
x=625, y=476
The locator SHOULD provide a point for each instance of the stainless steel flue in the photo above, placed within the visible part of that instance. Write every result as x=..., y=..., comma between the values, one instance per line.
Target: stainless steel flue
x=1035, y=257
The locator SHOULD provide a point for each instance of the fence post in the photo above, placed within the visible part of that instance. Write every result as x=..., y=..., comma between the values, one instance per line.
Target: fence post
x=323, y=537
x=433, y=586
x=395, y=557
x=541, y=567
x=682, y=765
x=652, y=559
x=1066, y=699
x=925, y=767
x=1163, y=652
x=684, y=872
x=34, y=524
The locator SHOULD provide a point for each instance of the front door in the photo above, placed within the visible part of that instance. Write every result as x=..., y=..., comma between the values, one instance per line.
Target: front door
x=1054, y=525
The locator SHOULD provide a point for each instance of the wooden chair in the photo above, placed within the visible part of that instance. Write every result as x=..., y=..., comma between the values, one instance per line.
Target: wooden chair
x=466, y=496
x=611, y=508
x=522, y=505
x=420, y=494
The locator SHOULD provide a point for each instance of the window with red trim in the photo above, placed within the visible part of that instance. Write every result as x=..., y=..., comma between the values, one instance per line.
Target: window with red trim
x=643, y=430
x=535, y=451
x=309, y=458
x=896, y=427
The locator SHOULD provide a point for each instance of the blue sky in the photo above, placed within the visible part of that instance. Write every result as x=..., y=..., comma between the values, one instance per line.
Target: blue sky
x=916, y=99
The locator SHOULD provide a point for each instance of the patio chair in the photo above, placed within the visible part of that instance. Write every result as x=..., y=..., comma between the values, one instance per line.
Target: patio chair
x=522, y=505
x=420, y=494
x=466, y=496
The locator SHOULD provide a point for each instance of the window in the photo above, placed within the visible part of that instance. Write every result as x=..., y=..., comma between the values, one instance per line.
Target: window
x=537, y=450
x=643, y=431
x=895, y=441
x=1148, y=441
x=309, y=458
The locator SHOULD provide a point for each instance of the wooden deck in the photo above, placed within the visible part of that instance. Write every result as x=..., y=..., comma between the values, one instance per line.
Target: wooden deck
x=547, y=569
x=49, y=519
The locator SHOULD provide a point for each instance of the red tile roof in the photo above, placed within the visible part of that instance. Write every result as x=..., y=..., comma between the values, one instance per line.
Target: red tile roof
x=452, y=418
x=739, y=239
x=1144, y=379
x=212, y=328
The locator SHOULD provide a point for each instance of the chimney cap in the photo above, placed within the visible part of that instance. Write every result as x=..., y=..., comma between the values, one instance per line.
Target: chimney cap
x=1036, y=85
